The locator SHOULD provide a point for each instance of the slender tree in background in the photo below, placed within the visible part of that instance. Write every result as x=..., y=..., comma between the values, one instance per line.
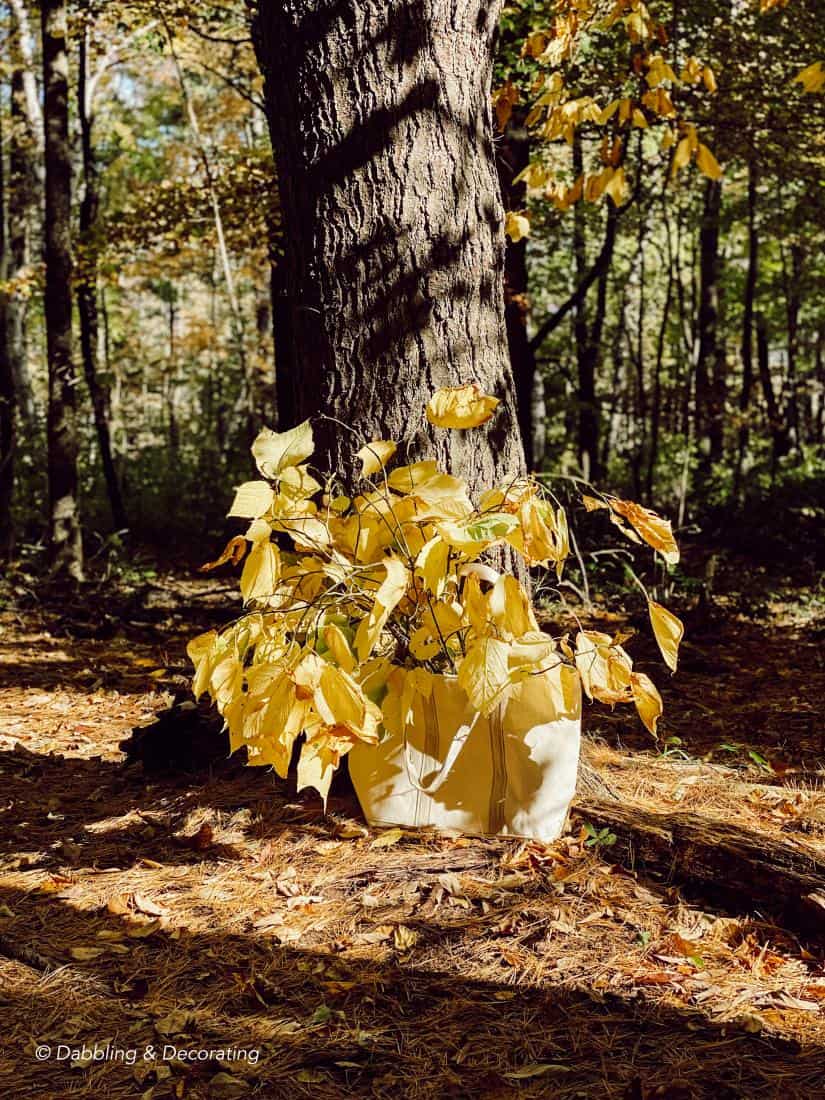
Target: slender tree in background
x=392, y=216
x=512, y=156
x=25, y=197
x=87, y=281
x=66, y=547
x=8, y=397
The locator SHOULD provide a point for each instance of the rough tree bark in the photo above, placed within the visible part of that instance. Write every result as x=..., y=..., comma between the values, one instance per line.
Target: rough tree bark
x=66, y=547
x=87, y=289
x=381, y=124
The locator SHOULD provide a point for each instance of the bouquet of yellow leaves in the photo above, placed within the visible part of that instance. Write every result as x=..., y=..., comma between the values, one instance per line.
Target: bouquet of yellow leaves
x=354, y=603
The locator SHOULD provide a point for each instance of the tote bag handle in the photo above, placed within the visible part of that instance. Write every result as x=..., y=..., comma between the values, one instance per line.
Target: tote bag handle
x=442, y=774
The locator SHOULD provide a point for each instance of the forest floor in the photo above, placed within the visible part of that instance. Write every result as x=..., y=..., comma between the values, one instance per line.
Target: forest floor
x=220, y=912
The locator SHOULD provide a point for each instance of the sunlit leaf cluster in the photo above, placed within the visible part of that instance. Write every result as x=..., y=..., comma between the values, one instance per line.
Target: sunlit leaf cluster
x=567, y=95
x=355, y=603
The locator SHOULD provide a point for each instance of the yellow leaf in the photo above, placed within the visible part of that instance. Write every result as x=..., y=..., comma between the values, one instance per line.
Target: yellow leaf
x=692, y=71
x=316, y=765
x=233, y=551
x=339, y=647
x=538, y=538
x=504, y=99
x=336, y=698
x=475, y=604
x=534, y=652
x=225, y=680
x=658, y=71
x=654, y=530
x=639, y=119
x=281, y=720
x=476, y=534
x=617, y=187
x=374, y=456
x=435, y=494
x=596, y=185
x=709, y=78
x=423, y=646
x=261, y=571
x=510, y=608
x=669, y=632
x=647, y=699
x=85, y=954
x=812, y=77
x=142, y=931
x=535, y=44
x=432, y=561
x=408, y=479
x=516, y=226
x=460, y=407
x=443, y=620
x=296, y=483
x=252, y=499
x=386, y=599
x=275, y=451
x=388, y=838
x=608, y=112
x=682, y=156
x=257, y=531
x=198, y=651
x=707, y=163
x=604, y=667
x=484, y=674
x=592, y=504
x=404, y=938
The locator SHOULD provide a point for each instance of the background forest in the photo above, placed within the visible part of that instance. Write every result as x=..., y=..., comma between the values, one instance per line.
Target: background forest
x=666, y=329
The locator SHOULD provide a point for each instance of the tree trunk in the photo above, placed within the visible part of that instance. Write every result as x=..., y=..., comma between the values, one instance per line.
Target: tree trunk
x=512, y=155
x=87, y=292
x=656, y=406
x=751, y=278
x=24, y=192
x=8, y=395
x=726, y=863
x=793, y=303
x=640, y=456
x=776, y=423
x=66, y=548
x=381, y=124
x=709, y=413
x=286, y=382
x=818, y=418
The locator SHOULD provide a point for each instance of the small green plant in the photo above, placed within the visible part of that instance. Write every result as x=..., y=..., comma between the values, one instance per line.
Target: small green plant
x=598, y=838
x=672, y=746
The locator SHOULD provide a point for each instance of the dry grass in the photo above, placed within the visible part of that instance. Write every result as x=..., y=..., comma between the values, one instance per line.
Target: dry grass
x=225, y=912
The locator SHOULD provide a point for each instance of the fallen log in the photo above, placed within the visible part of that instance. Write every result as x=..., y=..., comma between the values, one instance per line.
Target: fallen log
x=726, y=864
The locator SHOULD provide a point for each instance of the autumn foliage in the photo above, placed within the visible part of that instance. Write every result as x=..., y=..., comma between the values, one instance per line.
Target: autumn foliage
x=354, y=603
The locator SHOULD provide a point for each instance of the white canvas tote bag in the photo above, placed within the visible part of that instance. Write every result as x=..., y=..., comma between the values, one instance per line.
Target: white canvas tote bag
x=513, y=772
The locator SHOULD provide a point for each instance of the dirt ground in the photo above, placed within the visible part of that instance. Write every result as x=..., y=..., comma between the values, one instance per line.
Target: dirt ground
x=152, y=918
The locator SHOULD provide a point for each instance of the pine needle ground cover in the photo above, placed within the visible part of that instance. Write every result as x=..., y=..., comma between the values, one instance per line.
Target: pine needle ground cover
x=223, y=911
